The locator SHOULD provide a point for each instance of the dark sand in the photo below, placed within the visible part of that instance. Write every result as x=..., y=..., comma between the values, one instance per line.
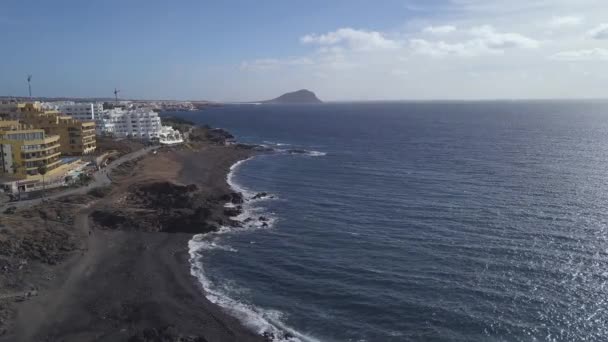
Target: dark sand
x=134, y=285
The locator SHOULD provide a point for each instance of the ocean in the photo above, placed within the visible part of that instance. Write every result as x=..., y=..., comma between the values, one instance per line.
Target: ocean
x=417, y=221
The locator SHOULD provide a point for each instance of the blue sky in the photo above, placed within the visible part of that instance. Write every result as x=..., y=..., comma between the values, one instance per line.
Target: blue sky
x=342, y=49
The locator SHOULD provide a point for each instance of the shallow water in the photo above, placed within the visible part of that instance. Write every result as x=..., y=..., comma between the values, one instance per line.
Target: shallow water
x=419, y=221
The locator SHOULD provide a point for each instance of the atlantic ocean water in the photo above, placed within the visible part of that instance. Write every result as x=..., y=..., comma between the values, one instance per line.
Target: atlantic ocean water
x=417, y=221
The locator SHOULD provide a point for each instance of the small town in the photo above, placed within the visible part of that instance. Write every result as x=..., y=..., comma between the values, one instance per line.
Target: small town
x=48, y=145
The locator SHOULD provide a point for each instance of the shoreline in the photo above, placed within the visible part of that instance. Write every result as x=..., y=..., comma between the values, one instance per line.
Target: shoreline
x=134, y=283
x=249, y=314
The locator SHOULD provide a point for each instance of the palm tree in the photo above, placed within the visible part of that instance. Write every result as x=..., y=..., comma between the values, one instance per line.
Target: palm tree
x=42, y=171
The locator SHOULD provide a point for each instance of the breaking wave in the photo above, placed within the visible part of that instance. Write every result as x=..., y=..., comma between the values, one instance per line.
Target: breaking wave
x=268, y=323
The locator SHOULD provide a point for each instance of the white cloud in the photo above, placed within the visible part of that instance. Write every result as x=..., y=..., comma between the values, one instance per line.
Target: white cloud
x=484, y=40
x=565, y=21
x=471, y=48
x=596, y=54
x=496, y=40
x=444, y=29
x=354, y=39
x=600, y=32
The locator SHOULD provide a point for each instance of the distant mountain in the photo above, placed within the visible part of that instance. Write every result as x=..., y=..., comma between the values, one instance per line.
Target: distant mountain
x=297, y=97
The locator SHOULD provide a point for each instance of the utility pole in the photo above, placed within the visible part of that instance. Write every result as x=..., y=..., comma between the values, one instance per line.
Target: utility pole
x=29, y=84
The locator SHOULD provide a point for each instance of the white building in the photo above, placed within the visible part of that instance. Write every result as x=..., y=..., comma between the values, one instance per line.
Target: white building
x=83, y=111
x=135, y=123
x=170, y=136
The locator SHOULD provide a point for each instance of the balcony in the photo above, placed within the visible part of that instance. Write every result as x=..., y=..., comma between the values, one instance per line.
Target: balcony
x=42, y=148
x=43, y=157
x=49, y=166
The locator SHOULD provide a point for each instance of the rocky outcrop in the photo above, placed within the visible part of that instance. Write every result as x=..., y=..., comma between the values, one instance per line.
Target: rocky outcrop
x=166, y=207
x=233, y=211
x=213, y=135
x=261, y=195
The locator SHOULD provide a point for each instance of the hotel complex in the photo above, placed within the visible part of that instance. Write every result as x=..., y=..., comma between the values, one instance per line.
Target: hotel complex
x=35, y=135
x=133, y=123
x=83, y=111
x=136, y=123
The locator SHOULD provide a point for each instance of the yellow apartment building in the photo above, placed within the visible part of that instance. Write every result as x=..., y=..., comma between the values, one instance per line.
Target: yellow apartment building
x=23, y=150
x=75, y=137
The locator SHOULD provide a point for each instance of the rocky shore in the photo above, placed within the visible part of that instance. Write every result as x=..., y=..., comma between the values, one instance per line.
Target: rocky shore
x=112, y=265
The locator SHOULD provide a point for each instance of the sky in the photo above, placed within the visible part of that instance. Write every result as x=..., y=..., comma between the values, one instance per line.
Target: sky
x=343, y=50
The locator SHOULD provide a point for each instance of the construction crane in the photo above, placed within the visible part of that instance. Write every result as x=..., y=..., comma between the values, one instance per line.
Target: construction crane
x=116, y=91
x=29, y=84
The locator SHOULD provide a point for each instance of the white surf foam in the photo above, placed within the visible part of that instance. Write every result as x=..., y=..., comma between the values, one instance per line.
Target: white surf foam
x=306, y=153
x=233, y=185
x=316, y=153
x=261, y=321
x=275, y=143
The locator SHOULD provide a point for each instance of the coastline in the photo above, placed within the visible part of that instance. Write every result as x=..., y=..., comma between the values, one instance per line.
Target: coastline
x=252, y=217
x=133, y=282
x=247, y=314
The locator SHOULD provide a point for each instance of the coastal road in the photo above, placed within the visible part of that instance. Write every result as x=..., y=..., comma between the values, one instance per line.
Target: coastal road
x=100, y=179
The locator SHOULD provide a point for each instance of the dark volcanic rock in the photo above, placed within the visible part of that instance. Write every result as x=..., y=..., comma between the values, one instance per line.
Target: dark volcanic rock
x=236, y=198
x=219, y=134
x=214, y=135
x=164, y=207
x=162, y=195
x=234, y=211
x=113, y=219
x=247, y=146
x=260, y=195
x=233, y=197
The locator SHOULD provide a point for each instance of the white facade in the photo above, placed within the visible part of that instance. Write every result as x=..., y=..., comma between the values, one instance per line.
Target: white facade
x=83, y=111
x=170, y=136
x=135, y=123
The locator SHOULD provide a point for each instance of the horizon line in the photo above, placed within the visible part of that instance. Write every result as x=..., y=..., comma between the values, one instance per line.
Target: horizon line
x=84, y=98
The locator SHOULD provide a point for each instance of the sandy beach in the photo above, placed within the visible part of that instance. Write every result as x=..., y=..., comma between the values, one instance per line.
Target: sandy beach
x=126, y=275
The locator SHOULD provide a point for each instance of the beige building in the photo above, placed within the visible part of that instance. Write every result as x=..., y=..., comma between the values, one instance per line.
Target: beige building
x=75, y=137
x=9, y=110
x=23, y=151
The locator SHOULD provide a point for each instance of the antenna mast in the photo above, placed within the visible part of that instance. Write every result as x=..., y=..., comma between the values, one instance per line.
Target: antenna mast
x=116, y=91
